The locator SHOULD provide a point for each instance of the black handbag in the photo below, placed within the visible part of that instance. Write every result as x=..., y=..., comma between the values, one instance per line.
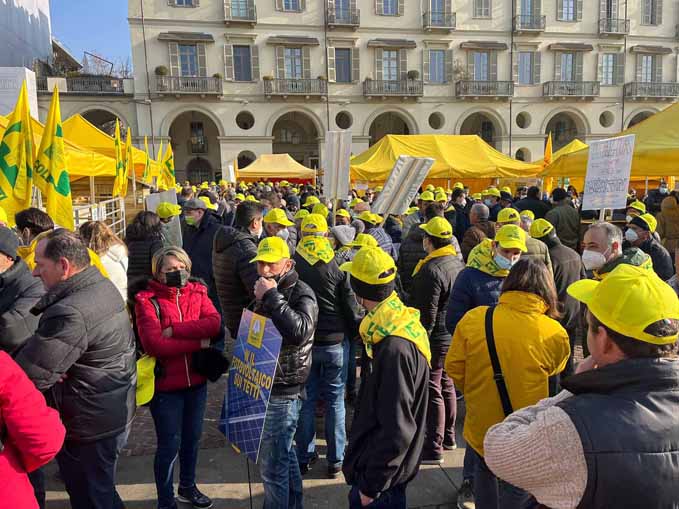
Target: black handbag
x=210, y=363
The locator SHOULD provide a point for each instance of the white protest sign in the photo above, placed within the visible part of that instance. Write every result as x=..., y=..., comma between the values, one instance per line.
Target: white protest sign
x=405, y=179
x=172, y=231
x=336, y=164
x=608, y=171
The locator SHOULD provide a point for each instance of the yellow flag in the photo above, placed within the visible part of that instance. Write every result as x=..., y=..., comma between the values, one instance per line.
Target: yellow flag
x=51, y=173
x=167, y=176
x=129, y=161
x=548, y=150
x=118, y=183
x=146, y=177
x=17, y=155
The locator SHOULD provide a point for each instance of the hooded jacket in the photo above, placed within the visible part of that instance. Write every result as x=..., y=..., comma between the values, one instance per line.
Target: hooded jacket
x=85, y=333
x=668, y=224
x=235, y=276
x=139, y=256
x=193, y=318
x=19, y=292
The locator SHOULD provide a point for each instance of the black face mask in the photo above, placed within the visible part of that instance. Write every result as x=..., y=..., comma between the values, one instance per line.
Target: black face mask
x=177, y=278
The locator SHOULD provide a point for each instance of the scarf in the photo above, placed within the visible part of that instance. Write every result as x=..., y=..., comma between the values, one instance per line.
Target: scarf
x=313, y=249
x=481, y=258
x=443, y=251
x=393, y=318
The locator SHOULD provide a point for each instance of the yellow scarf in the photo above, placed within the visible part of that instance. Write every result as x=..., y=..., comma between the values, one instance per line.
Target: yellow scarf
x=313, y=249
x=393, y=318
x=481, y=258
x=443, y=251
x=27, y=254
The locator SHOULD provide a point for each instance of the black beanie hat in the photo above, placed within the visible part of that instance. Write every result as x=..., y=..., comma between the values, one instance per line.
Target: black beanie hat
x=375, y=293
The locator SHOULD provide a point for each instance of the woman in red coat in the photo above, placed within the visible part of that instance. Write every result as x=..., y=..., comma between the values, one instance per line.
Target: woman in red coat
x=182, y=323
x=31, y=435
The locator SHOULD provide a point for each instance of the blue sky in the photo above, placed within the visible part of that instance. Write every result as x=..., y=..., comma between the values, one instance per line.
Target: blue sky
x=97, y=26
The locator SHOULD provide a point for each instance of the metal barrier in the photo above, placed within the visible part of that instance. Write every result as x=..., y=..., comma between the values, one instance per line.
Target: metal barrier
x=111, y=212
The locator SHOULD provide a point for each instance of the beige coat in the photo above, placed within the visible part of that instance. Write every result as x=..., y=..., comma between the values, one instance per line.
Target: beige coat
x=668, y=224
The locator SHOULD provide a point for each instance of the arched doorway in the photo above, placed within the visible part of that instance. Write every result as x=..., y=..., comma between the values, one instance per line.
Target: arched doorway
x=564, y=127
x=245, y=159
x=639, y=117
x=295, y=133
x=105, y=121
x=196, y=148
x=483, y=126
x=387, y=123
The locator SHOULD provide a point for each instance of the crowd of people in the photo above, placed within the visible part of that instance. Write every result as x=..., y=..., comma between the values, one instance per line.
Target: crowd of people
x=475, y=298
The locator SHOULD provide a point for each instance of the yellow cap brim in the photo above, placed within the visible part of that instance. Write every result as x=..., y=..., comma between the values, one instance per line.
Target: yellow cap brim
x=282, y=222
x=583, y=290
x=513, y=244
x=267, y=258
x=346, y=266
x=436, y=234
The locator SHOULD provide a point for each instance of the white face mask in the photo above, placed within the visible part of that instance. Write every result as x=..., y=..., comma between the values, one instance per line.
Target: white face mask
x=628, y=218
x=593, y=260
x=631, y=235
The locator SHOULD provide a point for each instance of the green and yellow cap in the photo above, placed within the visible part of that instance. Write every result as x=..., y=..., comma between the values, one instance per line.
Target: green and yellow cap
x=427, y=196
x=277, y=216
x=438, y=227
x=363, y=240
x=320, y=209
x=301, y=213
x=508, y=215
x=637, y=205
x=342, y=213
x=311, y=201
x=314, y=223
x=646, y=222
x=540, y=228
x=371, y=265
x=355, y=202
x=271, y=250
x=208, y=203
x=492, y=191
x=527, y=213
x=165, y=210
x=511, y=236
x=441, y=197
x=369, y=217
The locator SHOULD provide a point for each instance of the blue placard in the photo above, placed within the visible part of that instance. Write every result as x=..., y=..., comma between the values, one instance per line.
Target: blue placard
x=251, y=377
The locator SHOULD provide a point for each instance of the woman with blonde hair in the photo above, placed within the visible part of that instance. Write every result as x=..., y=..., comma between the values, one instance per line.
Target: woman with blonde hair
x=111, y=250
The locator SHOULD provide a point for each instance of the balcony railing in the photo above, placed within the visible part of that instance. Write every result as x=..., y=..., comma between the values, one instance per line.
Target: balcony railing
x=637, y=89
x=248, y=14
x=344, y=18
x=613, y=26
x=433, y=20
x=469, y=88
x=570, y=89
x=95, y=85
x=284, y=87
x=41, y=83
x=395, y=88
x=529, y=23
x=188, y=85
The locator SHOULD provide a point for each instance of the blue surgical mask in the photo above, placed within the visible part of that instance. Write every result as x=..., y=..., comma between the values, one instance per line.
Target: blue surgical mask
x=488, y=202
x=631, y=235
x=502, y=262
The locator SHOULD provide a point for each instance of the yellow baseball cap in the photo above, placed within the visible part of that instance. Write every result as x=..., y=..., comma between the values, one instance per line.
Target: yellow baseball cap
x=165, y=210
x=342, y=213
x=507, y=189
x=223, y=183
x=458, y=185
x=208, y=203
x=528, y=213
x=492, y=191
x=363, y=240
x=271, y=250
x=440, y=197
x=284, y=183
x=294, y=190
x=355, y=202
x=321, y=209
x=427, y=196
x=645, y=221
x=477, y=196
x=240, y=196
x=429, y=187
x=204, y=185
x=379, y=189
x=412, y=210
x=310, y=201
x=637, y=205
x=628, y=300
x=369, y=217
x=508, y=215
x=511, y=236
x=314, y=223
x=439, y=190
x=438, y=227
x=372, y=265
x=213, y=183
x=251, y=198
x=277, y=216
x=540, y=228
x=301, y=213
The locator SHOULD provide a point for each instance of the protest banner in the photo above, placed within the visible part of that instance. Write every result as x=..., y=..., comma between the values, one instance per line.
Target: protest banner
x=173, y=229
x=251, y=375
x=336, y=165
x=402, y=184
x=608, y=171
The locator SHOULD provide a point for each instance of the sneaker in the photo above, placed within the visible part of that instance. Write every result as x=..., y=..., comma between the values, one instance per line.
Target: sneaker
x=194, y=497
x=465, y=496
x=450, y=446
x=334, y=471
x=432, y=459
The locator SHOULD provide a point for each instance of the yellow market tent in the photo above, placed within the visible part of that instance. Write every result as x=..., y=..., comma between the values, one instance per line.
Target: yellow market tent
x=656, y=149
x=80, y=131
x=275, y=166
x=456, y=157
x=573, y=146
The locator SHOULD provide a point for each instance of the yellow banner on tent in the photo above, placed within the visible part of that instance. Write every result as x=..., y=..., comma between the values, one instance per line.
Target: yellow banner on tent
x=119, y=181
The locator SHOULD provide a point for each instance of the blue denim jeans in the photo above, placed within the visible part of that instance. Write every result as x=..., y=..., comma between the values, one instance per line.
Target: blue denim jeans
x=278, y=465
x=493, y=493
x=325, y=381
x=178, y=418
x=393, y=498
x=349, y=368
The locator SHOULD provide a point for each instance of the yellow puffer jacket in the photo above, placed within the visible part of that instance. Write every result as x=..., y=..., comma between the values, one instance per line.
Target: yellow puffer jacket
x=531, y=348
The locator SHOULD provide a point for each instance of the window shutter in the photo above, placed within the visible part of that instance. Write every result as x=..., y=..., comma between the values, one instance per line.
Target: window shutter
x=279, y=5
x=379, y=7
x=537, y=68
x=448, y=6
x=515, y=66
x=492, y=74
x=637, y=70
x=355, y=65
x=657, y=68
x=537, y=8
x=280, y=62
x=196, y=3
x=425, y=64
x=619, y=68
x=379, y=71
x=332, y=71
x=578, y=66
x=306, y=62
x=600, y=67
x=470, y=65
x=202, y=60
x=174, y=59
x=557, y=66
x=603, y=11
x=517, y=8
x=227, y=9
x=647, y=9
x=401, y=7
x=578, y=10
x=172, y=3
x=302, y=5
x=450, y=66
x=228, y=62
x=331, y=9
x=254, y=62
x=403, y=63
x=658, y=12
x=614, y=8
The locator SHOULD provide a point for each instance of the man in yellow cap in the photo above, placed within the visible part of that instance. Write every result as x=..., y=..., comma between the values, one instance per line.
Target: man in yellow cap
x=418, y=217
x=342, y=217
x=491, y=198
x=338, y=314
x=635, y=208
x=310, y=202
x=432, y=283
x=609, y=439
x=277, y=224
x=536, y=248
x=387, y=435
x=291, y=305
x=639, y=234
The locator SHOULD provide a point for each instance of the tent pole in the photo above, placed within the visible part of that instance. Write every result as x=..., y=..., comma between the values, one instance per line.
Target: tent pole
x=92, y=195
x=646, y=191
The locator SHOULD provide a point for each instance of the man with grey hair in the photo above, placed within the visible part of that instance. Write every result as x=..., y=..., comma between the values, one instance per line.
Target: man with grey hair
x=603, y=251
x=480, y=229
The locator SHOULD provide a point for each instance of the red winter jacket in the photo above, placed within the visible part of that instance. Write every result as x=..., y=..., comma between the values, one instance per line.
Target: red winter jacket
x=192, y=317
x=30, y=431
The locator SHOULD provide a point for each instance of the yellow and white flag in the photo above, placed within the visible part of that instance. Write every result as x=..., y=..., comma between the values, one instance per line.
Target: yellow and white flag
x=17, y=155
x=146, y=177
x=167, y=176
x=118, y=182
x=51, y=173
x=129, y=161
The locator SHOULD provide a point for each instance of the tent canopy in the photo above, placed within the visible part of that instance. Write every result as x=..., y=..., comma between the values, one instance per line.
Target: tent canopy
x=656, y=149
x=573, y=146
x=276, y=166
x=82, y=132
x=455, y=156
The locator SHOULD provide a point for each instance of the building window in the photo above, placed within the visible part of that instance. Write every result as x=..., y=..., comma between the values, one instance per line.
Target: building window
x=390, y=8
x=608, y=69
x=239, y=9
x=481, y=66
x=526, y=61
x=567, y=67
x=647, y=68
x=567, y=10
x=437, y=66
x=293, y=63
x=242, y=63
x=343, y=65
x=184, y=3
x=390, y=65
x=482, y=8
x=197, y=141
x=652, y=12
x=289, y=136
x=188, y=59
x=487, y=131
x=291, y=5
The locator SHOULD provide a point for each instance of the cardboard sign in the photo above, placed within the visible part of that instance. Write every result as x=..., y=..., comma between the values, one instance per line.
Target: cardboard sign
x=401, y=187
x=336, y=164
x=172, y=231
x=608, y=171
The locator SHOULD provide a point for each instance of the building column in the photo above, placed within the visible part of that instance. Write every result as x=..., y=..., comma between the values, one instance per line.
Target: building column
x=359, y=144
